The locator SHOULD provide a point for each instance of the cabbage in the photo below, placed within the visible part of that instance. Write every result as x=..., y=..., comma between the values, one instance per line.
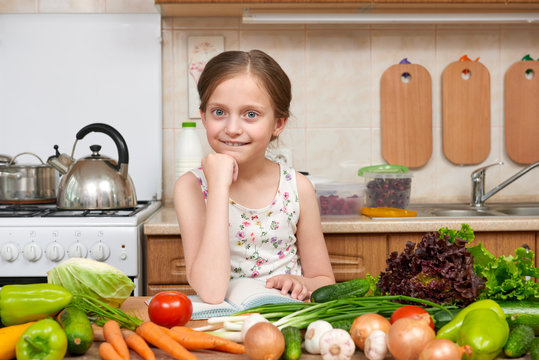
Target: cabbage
x=93, y=278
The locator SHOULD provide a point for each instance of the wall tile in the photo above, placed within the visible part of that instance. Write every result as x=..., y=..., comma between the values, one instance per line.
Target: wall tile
x=338, y=79
x=337, y=153
x=333, y=136
x=18, y=6
x=72, y=6
x=131, y=6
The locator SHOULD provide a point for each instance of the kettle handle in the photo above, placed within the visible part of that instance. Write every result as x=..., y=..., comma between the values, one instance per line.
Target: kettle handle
x=123, y=154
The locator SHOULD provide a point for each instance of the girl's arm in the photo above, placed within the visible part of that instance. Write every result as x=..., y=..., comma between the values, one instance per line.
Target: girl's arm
x=204, y=227
x=312, y=249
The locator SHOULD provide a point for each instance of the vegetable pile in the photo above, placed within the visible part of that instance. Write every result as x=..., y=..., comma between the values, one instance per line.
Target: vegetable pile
x=436, y=270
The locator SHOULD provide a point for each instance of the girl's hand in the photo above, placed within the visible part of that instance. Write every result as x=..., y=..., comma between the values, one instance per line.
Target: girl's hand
x=220, y=169
x=295, y=285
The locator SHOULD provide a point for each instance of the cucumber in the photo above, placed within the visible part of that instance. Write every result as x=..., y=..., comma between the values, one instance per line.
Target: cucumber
x=345, y=324
x=534, y=349
x=521, y=313
x=355, y=287
x=78, y=329
x=519, y=341
x=292, y=343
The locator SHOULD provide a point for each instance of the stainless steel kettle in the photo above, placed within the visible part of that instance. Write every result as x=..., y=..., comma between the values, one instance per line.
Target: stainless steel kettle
x=95, y=182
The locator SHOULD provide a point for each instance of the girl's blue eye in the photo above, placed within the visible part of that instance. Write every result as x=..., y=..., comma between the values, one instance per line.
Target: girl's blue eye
x=219, y=112
x=251, y=114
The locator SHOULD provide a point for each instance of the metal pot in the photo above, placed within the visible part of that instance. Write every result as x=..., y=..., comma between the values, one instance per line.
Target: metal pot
x=95, y=182
x=27, y=184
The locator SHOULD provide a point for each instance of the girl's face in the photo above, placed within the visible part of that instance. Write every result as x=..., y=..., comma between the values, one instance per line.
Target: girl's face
x=239, y=119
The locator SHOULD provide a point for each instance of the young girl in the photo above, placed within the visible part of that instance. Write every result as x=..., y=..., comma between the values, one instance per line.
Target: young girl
x=240, y=214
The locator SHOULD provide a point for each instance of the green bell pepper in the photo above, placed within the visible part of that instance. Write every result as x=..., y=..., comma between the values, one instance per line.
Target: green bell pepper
x=43, y=340
x=451, y=329
x=485, y=332
x=20, y=304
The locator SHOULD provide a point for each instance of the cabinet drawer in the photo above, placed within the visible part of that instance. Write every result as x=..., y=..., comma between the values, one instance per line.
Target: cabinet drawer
x=184, y=289
x=354, y=255
x=165, y=262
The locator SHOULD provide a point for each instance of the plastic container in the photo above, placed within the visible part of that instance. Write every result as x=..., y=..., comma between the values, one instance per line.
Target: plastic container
x=340, y=199
x=188, y=149
x=387, y=186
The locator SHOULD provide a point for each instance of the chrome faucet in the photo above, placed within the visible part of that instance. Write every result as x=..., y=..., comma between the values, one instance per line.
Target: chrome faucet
x=478, y=183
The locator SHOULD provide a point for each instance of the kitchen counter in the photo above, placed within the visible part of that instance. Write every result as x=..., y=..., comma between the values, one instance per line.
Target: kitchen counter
x=164, y=222
x=137, y=306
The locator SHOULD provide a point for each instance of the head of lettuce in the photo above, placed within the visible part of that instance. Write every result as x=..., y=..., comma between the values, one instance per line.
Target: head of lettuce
x=81, y=276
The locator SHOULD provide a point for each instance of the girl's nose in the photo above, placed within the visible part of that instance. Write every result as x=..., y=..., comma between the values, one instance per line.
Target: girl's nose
x=233, y=126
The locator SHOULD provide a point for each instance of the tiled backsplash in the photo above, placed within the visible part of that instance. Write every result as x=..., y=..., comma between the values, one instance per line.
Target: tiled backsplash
x=335, y=72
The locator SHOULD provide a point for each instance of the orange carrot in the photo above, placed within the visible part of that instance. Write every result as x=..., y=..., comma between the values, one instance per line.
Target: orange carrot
x=140, y=346
x=193, y=339
x=231, y=347
x=152, y=333
x=113, y=335
x=107, y=352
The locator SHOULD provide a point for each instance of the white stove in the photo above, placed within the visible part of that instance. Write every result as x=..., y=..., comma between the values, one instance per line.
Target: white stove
x=35, y=238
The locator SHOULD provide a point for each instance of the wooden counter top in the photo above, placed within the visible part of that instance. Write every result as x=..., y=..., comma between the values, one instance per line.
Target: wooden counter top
x=137, y=306
x=164, y=222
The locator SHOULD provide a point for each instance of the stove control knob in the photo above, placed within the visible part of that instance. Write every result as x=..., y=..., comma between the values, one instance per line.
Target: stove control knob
x=77, y=250
x=100, y=251
x=9, y=252
x=55, y=252
x=32, y=252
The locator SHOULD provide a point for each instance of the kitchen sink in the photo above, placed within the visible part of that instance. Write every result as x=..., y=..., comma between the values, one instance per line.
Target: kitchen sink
x=520, y=211
x=505, y=210
x=461, y=213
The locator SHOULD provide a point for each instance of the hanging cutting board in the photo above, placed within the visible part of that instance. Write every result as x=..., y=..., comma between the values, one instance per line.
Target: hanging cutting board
x=466, y=112
x=522, y=112
x=406, y=115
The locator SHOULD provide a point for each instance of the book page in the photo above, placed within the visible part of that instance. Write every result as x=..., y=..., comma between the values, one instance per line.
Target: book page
x=203, y=310
x=246, y=293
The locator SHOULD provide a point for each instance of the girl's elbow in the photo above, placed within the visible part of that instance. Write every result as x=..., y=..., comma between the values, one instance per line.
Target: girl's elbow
x=212, y=297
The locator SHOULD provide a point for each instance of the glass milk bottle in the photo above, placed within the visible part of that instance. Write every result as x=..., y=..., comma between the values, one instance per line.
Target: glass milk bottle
x=188, y=149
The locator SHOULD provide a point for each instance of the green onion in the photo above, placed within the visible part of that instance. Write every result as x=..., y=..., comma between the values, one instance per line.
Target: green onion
x=101, y=312
x=301, y=314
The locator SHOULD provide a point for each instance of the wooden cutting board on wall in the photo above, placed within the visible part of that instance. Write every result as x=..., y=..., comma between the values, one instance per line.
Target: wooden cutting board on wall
x=522, y=112
x=406, y=115
x=466, y=112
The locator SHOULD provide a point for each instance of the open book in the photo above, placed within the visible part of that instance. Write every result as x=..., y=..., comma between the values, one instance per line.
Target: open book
x=242, y=293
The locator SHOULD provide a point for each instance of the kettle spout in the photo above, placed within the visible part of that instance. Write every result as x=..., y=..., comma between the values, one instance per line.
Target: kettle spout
x=61, y=162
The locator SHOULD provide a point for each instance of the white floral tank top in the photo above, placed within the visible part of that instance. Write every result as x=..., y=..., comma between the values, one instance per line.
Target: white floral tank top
x=263, y=241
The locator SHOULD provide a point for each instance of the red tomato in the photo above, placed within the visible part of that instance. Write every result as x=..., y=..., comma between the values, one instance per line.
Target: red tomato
x=170, y=308
x=409, y=311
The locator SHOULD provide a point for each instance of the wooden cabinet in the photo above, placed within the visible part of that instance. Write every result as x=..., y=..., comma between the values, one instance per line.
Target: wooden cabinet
x=352, y=254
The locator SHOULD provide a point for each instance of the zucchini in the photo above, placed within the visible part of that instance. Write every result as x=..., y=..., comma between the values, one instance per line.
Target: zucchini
x=519, y=341
x=521, y=313
x=292, y=343
x=78, y=329
x=351, y=288
x=534, y=349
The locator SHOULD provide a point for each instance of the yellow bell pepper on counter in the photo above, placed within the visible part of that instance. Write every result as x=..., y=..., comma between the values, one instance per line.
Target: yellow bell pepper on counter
x=388, y=212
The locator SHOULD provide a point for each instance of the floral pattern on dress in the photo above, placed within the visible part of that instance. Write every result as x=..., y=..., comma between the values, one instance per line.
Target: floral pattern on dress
x=262, y=241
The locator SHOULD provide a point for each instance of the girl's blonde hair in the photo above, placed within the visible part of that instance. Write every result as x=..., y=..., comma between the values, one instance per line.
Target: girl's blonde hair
x=255, y=62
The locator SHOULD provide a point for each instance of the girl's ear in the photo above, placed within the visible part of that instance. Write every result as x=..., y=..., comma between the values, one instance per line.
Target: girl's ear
x=280, y=124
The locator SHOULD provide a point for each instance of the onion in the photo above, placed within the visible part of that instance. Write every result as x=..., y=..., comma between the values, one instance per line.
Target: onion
x=408, y=336
x=264, y=341
x=443, y=349
x=250, y=321
x=364, y=325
